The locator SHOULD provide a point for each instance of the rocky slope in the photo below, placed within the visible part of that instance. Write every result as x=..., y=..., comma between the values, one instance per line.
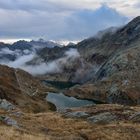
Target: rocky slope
x=99, y=51
x=23, y=90
x=117, y=58
x=107, y=66
x=94, y=52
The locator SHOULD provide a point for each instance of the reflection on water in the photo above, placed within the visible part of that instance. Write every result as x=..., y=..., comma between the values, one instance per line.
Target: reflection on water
x=60, y=84
x=61, y=101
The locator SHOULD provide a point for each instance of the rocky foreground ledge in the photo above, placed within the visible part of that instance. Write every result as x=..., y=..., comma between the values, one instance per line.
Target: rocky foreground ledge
x=105, y=122
x=24, y=114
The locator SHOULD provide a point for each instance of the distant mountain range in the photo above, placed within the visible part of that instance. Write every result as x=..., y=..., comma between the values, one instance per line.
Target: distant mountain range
x=104, y=69
x=106, y=65
x=12, y=51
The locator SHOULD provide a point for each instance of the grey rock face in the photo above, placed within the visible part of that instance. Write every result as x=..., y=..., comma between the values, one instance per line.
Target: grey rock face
x=10, y=122
x=4, y=104
x=135, y=117
x=78, y=114
x=17, y=113
x=103, y=118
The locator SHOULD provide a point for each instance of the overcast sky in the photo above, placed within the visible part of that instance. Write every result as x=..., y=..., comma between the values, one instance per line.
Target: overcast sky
x=62, y=19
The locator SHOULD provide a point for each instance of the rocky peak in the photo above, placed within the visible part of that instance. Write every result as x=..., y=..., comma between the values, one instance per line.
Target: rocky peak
x=22, y=45
x=134, y=22
x=128, y=33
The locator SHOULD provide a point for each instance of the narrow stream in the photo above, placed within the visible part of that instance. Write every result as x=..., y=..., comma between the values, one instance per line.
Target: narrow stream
x=63, y=102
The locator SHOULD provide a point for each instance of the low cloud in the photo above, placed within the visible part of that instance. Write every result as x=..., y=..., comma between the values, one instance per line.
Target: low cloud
x=43, y=68
x=72, y=53
x=6, y=51
x=21, y=61
x=55, y=66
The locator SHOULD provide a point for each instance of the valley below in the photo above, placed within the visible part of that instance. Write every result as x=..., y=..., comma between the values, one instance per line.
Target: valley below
x=84, y=91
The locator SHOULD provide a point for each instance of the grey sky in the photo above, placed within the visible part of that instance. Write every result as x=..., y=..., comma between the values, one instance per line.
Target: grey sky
x=62, y=19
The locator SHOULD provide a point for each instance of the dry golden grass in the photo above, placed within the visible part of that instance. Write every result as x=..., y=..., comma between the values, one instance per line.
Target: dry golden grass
x=8, y=133
x=122, y=131
x=53, y=126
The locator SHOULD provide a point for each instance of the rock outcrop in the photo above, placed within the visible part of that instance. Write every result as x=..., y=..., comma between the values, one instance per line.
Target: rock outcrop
x=117, y=57
x=18, y=88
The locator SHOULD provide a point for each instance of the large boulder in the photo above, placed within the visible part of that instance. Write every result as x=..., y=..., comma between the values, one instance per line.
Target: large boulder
x=105, y=117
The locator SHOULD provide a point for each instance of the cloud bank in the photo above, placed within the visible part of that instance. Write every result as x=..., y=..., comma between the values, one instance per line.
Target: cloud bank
x=55, y=66
x=63, y=19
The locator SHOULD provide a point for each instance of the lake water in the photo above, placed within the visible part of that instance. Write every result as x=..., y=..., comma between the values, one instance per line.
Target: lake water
x=60, y=84
x=62, y=102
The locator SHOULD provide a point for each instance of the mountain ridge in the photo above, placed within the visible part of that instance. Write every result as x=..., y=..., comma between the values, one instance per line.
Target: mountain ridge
x=98, y=62
x=108, y=70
